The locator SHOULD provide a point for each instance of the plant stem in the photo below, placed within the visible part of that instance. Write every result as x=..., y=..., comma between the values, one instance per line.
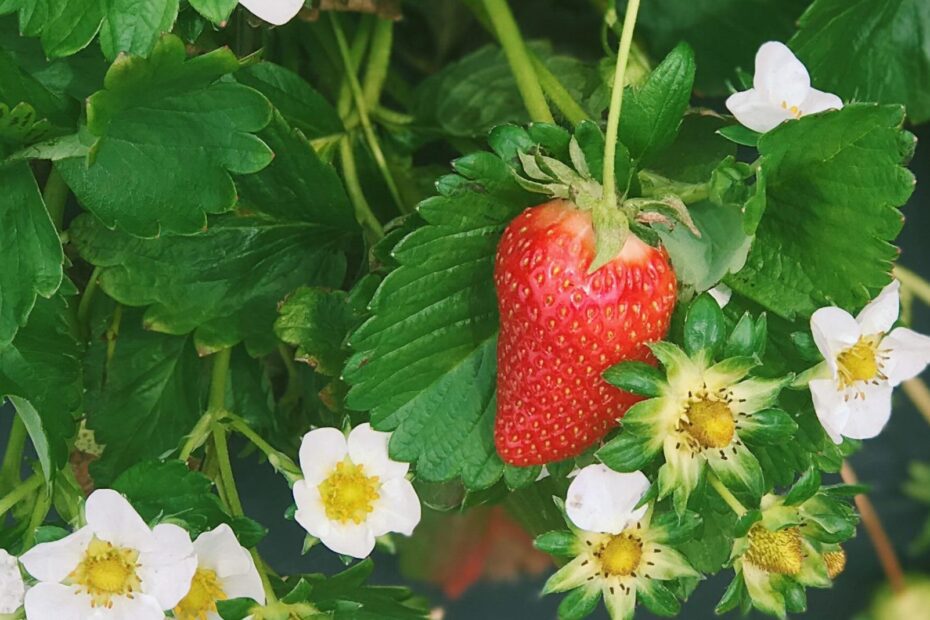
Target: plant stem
x=39, y=512
x=880, y=541
x=726, y=495
x=13, y=457
x=22, y=491
x=218, y=376
x=616, y=103
x=356, y=53
x=913, y=282
x=508, y=33
x=55, y=196
x=359, y=98
x=226, y=474
x=113, y=332
x=86, y=298
x=557, y=92
x=379, y=58
x=363, y=212
x=280, y=461
x=919, y=394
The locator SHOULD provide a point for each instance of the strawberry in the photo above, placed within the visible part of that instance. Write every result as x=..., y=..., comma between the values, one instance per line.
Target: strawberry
x=561, y=327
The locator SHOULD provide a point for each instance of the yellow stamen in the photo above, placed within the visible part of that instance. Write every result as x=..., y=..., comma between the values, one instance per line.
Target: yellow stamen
x=621, y=555
x=860, y=362
x=348, y=494
x=106, y=572
x=776, y=552
x=201, y=599
x=794, y=110
x=711, y=423
x=835, y=561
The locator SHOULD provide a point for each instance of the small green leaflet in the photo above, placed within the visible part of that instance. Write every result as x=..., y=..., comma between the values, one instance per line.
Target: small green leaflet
x=155, y=113
x=149, y=401
x=217, y=11
x=134, y=26
x=869, y=50
x=30, y=250
x=41, y=373
x=834, y=185
x=18, y=86
x=316, y=321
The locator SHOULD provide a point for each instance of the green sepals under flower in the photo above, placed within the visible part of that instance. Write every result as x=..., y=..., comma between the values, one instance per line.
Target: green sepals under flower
x=638, y=563
x=790, y=548
x=701, y=412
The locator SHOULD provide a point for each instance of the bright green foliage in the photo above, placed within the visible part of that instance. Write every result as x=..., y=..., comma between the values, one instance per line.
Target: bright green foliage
x=153, y=113
x=833, y=184
x=134, y=27
x=317, y=322
x=217, y=11
x=884, y=58
x=30, y=251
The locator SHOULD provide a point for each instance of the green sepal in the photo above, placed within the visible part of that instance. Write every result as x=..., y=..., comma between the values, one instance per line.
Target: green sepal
x=559, y=543
x=805, y=488
x=732, y=597
x=579, y=603
x=626, y=452
x=637, y=378
x=704, y=326
x=519, y=477
x=739, y=470
x=611, y=230
x=669, y=528
x=658, y=598
x=742, y=341
x=740, y=135
x=795, y=597
x=767, y=427
x=235, y=609
x=745, y=522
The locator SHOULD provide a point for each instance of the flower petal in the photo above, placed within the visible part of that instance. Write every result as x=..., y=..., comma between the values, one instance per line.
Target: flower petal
x=834, y=330
x=721, y=294
x=277, y=12
x=600, y=499
x=355, y=540
x=137, y=607
x=311, y=514
x=320, y=450
x=397, y=510
x=219, y=550
x=572, y=575
x=246, y=585
x=12, y=588
x=868, y=415
x=753, y=110
x=369, y=447
x=831, y=408
x=908, y=352
x=819, y=101
x=780, y=76
x=113, y=519
x=166, y=571
x=881, y=313
x=54, y=600
x=54, y=561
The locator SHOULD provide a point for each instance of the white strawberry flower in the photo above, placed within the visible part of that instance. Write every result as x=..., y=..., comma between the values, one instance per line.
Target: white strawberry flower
x=12, y=588
x=113, y=568
x=602, y=500
x=866, y=360
x=352, y=492
x=781, y=91
x=277, y=12
x=225, y=570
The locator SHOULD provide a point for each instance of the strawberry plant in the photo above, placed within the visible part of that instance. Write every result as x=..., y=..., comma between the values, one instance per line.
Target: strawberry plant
x=602, y=291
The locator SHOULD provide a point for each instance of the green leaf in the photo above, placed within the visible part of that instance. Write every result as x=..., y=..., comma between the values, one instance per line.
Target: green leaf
x=834, y=182
x=134, y=26
x=223, y=284
x=733, y=595
x=235, y=609
x=653, y=111
x=520, y=477
x=317, y=322
x=217, y=11
x=869, y=50
x=149, y=401
x=17, y=85
x=767, y=427
x=704, y=326
x=696, y=151
x=155, y=113
x=805, y=488
x=636, y=377
x=626, y=452
x=65, y=26
x=30, y=250
x=40, y=371
x=725, y=34
x=658, y=598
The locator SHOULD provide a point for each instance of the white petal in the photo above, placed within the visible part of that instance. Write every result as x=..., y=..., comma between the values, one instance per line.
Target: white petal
x=219, y=550
x=780, y=76
x=12, y=587
x=755, y=111
x=248, y=585
x=602, y=500
x=350, y=539
x=167, y=571
x=721, y=294
x=369, y=447
x=819, y=101
x=277, y=12
x=869, y=415
x=311, y=514
x=834, y=331
x=54, y=600
x=397, y=509
x=909, y=354
x=320, y=450
x=881, y=313
x=831, y=408
x=53, y=561
x=139, y=607
x=113, y=519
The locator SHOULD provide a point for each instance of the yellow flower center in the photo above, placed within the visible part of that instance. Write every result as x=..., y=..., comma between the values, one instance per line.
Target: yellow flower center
x=860, y=362
x=711, y=423
x=794, y=110
x=106, y=572
x=621, y=555
x=776, y=552
x=201, y=599
x=835, y=561
x=348, y=494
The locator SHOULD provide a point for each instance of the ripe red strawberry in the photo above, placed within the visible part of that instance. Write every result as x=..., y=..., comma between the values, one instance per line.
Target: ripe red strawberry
x=561, y=328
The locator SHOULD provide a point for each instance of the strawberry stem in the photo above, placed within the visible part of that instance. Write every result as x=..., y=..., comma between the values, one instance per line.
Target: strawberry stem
x=726, y=495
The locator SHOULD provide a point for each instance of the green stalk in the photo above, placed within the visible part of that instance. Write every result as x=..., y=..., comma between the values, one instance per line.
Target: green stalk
x=356, y=52
x=55, y=196
x=13, y=457
x=508, y=33
x=559, y=95
x=616, y=103
x=21, y=492
x=87, y=297
x=726, y=495
x=280, y=461
x=39, y=512
x=379, y=59
x=363, y=212
x=215, y=405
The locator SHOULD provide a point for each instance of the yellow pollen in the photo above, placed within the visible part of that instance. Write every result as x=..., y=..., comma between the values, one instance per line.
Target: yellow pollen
x=106, y=572
x=201, y=599
x=860, y=362
x=711, y=423
x=348, y=494
x=621, y=555
x=794, y=110
x=776, y=552
x=835, y=561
